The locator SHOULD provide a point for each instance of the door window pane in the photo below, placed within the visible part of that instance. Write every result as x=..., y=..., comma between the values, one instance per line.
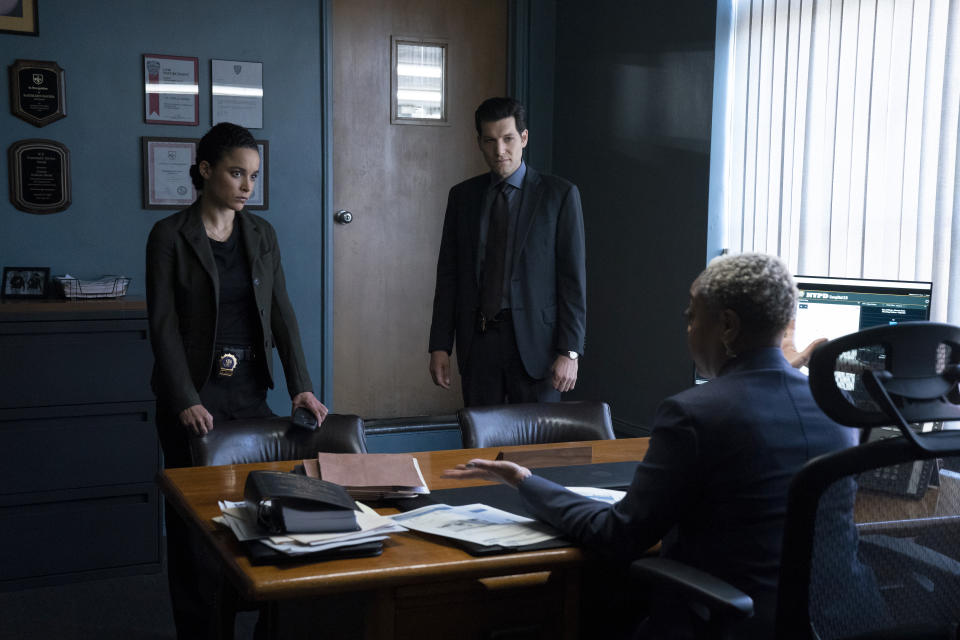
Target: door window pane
x=419, y=82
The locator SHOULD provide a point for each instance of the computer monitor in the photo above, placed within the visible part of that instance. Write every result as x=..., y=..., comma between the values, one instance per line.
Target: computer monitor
x=834, y=307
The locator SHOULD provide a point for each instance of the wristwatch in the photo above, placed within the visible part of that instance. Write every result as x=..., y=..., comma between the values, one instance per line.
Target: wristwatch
x=573, y=355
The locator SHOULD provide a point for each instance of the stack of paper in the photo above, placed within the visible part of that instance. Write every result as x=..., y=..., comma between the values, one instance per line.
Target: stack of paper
x=105, y=287
x=242, y=520
x=370, y=476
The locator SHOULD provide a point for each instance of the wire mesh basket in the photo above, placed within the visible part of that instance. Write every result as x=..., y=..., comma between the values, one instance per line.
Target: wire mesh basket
x=103, y=287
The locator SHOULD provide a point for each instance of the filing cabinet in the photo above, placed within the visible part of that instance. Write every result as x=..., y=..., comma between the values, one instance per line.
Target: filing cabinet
x=78, y=445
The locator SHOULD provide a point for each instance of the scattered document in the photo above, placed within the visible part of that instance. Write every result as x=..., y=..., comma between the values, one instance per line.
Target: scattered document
x=476, y=523
x=242, y=521
x=293, y=549
x=610, y=496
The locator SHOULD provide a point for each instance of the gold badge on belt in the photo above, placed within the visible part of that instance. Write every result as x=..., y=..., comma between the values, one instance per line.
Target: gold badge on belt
x=228, y=362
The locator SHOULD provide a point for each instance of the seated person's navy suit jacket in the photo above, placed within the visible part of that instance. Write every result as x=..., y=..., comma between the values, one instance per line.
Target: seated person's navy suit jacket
x=713, y=484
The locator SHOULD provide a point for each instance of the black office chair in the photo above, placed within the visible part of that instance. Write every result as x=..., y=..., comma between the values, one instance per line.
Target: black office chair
x=896, y=573
x=268, y=440
x=275, y=438
x=514, y=424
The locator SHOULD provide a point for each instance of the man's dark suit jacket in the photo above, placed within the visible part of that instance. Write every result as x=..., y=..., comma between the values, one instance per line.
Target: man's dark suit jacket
x=713, y=484
x=182, y=302
x=548, y=283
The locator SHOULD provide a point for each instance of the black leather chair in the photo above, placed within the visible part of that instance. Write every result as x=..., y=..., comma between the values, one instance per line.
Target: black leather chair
x=273, y=439
x=514, y=424
x=895, y=573
x=268, y=440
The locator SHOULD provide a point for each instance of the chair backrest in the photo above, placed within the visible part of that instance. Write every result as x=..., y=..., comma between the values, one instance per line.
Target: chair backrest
x=872, y=535
x=515, y=424
x=275, y=438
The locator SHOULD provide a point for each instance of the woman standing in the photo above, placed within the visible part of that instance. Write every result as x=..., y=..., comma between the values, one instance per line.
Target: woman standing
x=218, y=305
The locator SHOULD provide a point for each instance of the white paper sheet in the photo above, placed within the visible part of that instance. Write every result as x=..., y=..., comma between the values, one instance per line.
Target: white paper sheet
x=476, y=523
x=611, y=496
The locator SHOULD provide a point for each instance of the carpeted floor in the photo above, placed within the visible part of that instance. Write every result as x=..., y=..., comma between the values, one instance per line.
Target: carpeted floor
x=127, y=608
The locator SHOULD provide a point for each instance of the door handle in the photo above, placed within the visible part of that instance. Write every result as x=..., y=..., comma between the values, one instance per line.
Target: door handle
x=343, y=217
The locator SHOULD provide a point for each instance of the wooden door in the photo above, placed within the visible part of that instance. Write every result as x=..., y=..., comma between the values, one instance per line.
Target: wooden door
x=394, y=179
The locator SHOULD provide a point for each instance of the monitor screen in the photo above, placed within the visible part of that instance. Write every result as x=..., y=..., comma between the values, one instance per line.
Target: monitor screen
x=834, y=307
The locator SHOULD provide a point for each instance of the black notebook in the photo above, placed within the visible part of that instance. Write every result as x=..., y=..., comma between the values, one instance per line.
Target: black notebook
x=290, y=503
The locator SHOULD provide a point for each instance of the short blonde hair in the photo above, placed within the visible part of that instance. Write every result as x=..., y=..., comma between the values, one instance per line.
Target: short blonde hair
x=757, y=286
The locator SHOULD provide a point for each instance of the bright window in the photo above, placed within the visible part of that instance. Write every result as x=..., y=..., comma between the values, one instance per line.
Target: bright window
x=840, y=129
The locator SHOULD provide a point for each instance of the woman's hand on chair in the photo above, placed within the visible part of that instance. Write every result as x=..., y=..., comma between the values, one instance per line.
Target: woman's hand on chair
x=197, y=419
x=307, y=400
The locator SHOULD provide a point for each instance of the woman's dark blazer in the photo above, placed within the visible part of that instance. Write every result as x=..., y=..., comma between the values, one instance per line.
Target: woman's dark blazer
x=713, y=484
x=182, y=302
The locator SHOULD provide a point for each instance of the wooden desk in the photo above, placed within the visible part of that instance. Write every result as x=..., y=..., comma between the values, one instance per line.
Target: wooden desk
x=419, y=587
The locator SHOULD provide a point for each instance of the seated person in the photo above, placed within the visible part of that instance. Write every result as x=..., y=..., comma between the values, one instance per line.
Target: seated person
x=713, y=484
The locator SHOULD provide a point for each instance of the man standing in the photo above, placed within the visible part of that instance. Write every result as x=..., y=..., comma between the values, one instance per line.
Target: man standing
x=511, y=280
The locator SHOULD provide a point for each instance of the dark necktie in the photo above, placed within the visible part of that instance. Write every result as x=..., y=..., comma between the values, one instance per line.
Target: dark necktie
x=491, y=285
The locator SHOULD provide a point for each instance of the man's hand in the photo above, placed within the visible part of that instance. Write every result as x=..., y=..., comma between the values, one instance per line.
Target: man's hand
x=307, y=400
x=497, y=470
x=797, y=358
x=564, y=373
x=440, y=368
x=197, y=419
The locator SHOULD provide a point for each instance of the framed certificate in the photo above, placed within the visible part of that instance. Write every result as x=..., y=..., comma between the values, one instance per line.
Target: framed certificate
x=237, y=92
x=166, y=172
x=19, y=17
x=171, y=91
x=260, y=198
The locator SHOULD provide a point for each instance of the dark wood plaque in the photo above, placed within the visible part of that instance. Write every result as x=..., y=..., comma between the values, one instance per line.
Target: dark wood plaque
x=39, y=176
x=37, y=92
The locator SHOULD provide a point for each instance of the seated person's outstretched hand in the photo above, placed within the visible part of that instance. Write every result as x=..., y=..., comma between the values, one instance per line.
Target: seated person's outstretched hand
x=797, y=358
x=497, y=470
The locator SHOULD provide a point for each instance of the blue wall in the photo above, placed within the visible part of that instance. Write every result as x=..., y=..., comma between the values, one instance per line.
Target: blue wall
x=100, y=46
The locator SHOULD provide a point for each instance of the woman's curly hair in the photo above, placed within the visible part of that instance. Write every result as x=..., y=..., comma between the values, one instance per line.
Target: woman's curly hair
x=757, y=286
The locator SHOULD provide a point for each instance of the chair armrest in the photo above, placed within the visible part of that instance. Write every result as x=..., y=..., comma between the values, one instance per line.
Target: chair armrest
x=720, y=597
x=907, y=550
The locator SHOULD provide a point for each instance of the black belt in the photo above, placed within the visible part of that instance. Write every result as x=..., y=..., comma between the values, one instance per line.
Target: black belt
x=484, y=324
x=242, y=353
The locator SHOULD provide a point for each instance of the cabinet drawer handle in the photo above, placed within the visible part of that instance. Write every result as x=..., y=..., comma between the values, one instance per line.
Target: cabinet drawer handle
x=519, y=581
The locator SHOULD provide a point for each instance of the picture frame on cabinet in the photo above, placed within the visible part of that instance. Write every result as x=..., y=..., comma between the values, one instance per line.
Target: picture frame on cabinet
x=24, y=282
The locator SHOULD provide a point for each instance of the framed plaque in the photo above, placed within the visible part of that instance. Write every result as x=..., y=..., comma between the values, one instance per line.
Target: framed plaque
x=39, y=176
x=260, y=198
x=19, y=16
x=171, y=90
x=166, y=172
x=37, y=91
